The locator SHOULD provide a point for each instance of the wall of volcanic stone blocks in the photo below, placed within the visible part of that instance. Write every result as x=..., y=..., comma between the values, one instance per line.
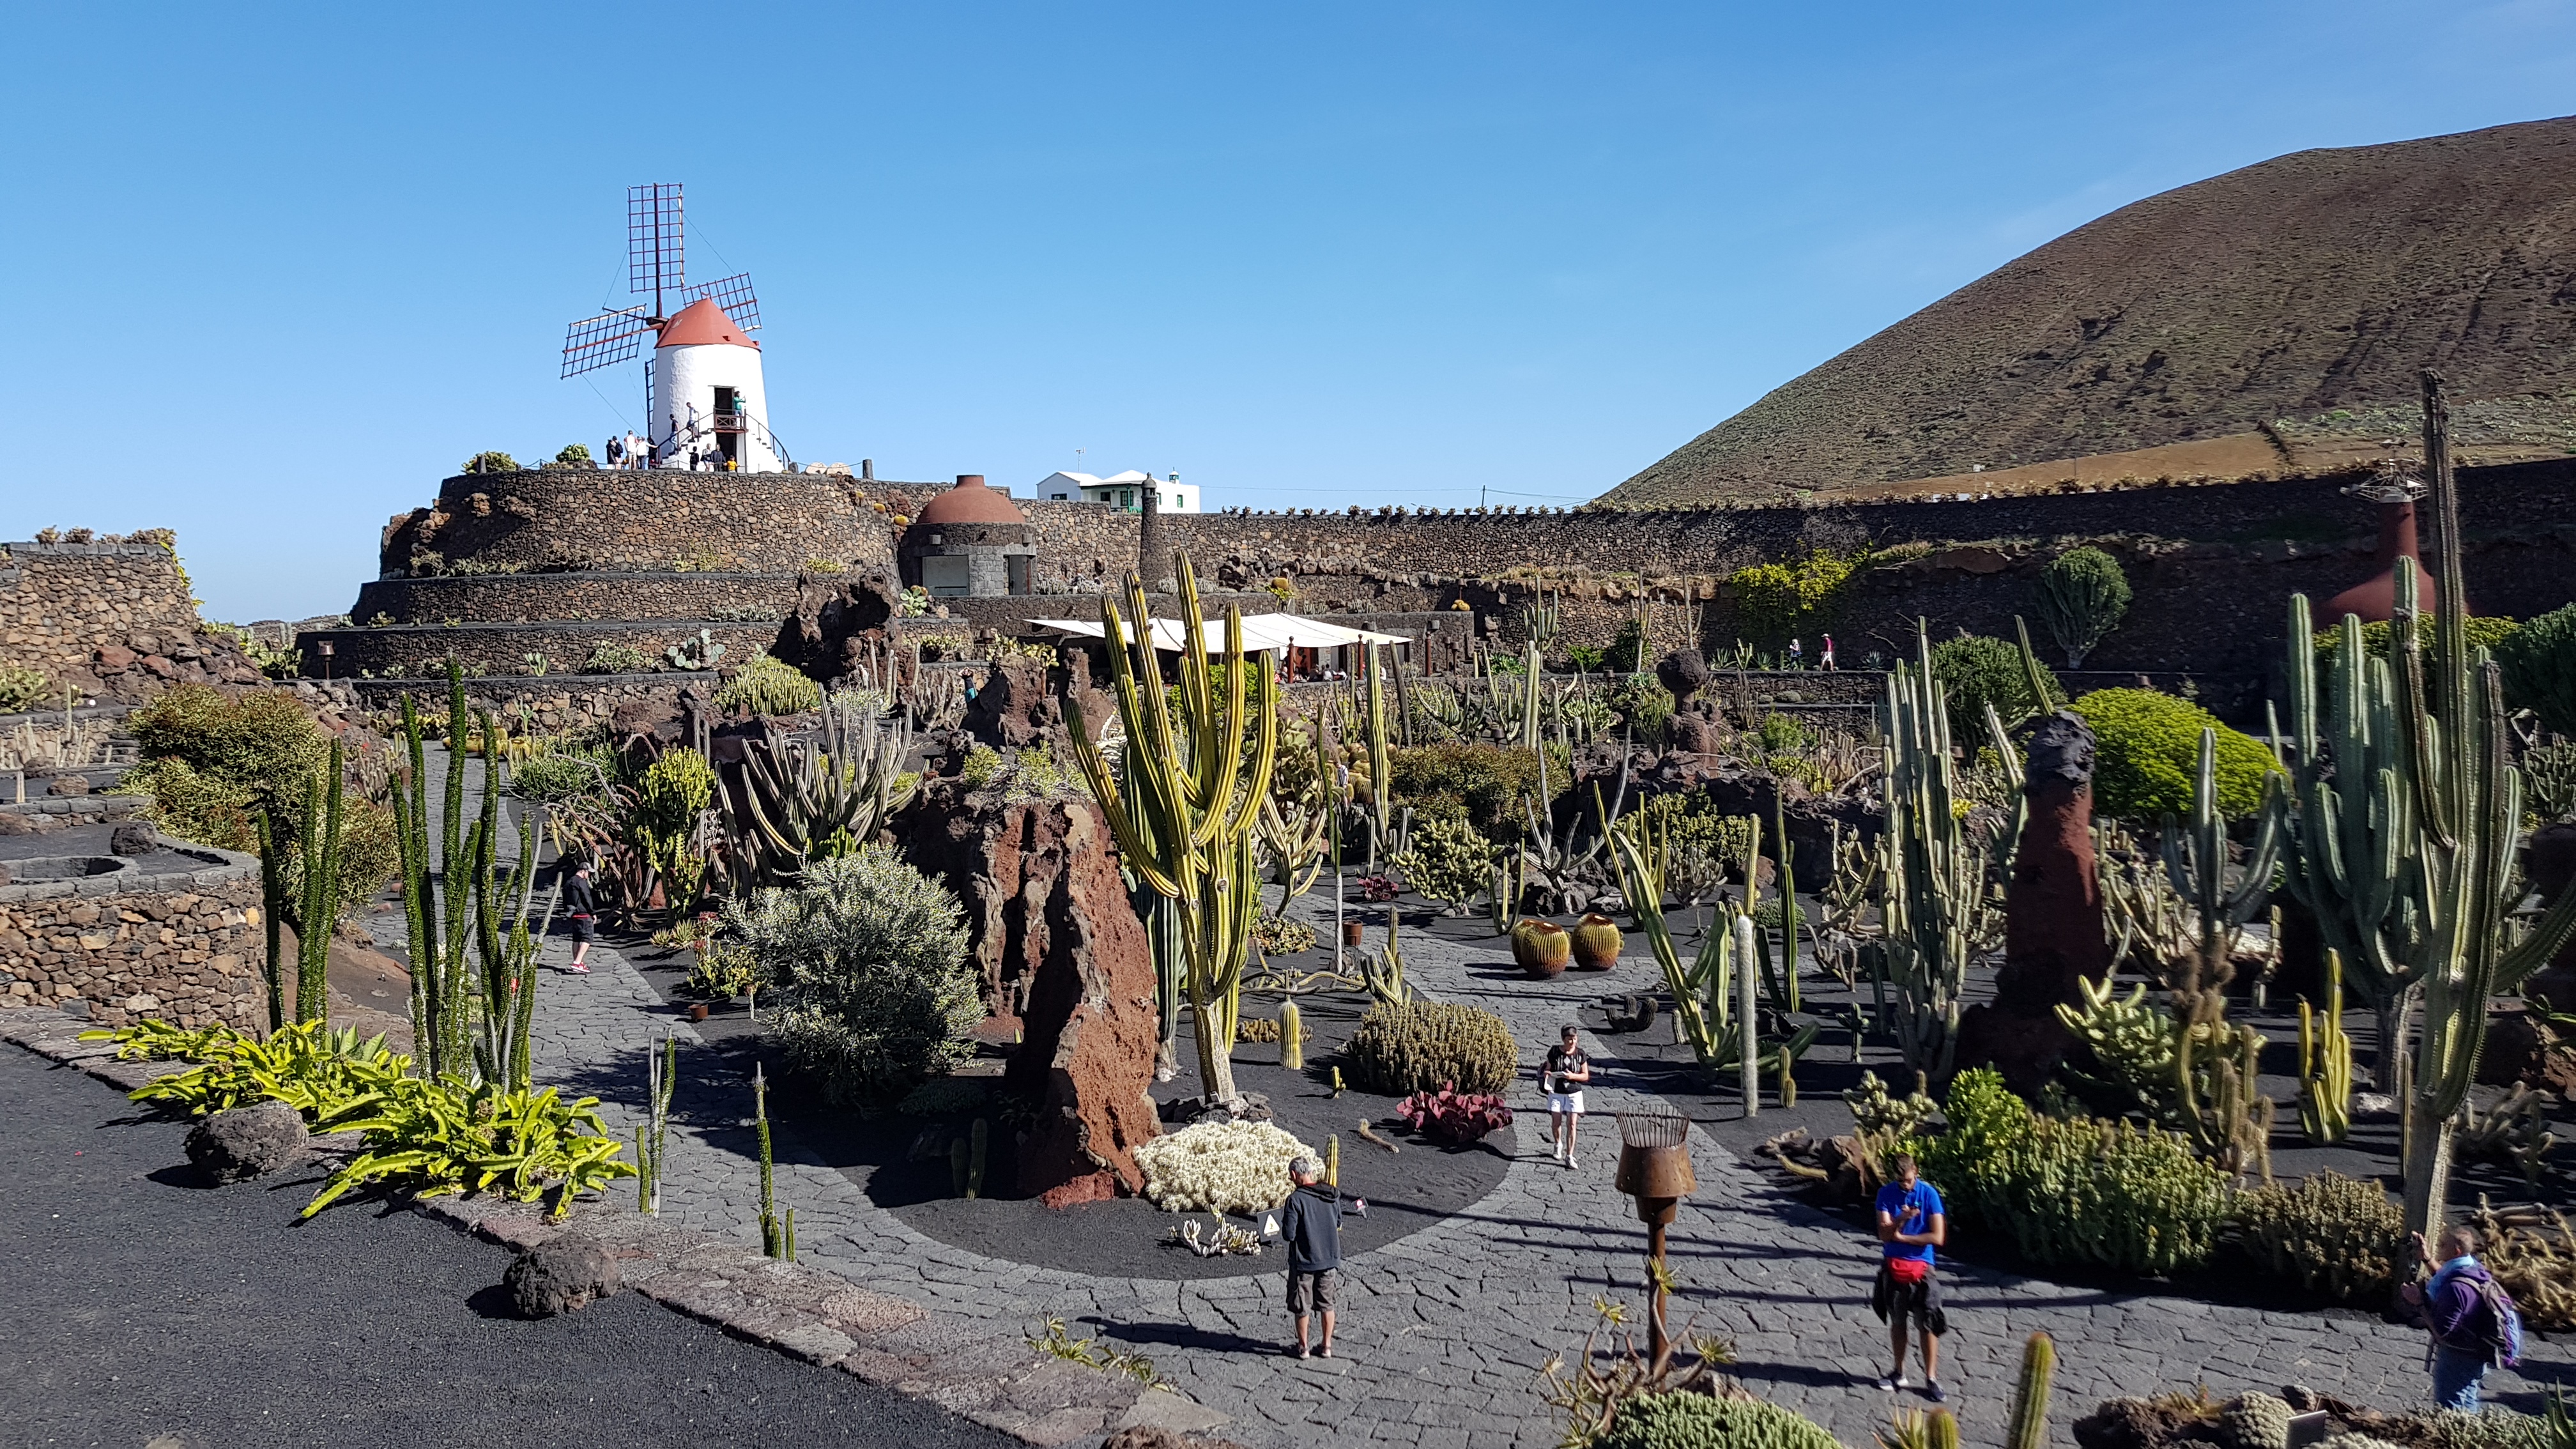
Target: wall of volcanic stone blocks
x=60, y=601
x=184, y=947
x=522, y=598
x=575, y=518
x=421, y=651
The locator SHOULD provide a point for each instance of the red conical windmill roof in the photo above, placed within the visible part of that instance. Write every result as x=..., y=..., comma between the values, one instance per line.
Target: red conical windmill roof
x=700, y=323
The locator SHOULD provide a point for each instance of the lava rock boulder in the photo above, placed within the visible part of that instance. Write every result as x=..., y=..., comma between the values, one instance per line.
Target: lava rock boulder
x=561, y=1275
x=248, y=1142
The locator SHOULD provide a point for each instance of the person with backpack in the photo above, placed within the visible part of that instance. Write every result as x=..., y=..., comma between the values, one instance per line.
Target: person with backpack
x=2474, y=1323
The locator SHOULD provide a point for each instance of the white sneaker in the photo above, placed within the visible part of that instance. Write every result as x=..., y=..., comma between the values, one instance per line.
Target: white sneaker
x=1892, y=1382
x=1570, y=1162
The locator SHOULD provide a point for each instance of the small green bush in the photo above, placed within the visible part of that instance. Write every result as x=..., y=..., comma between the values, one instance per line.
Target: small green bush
x=2540, y=668
x=2072, y=1191
x=1420, y=1046
x=1684, y=1420
x=1646, y=705
x=1627, y=651
x=611, y=658
x=23, y=689
x=573, y=453
x=1977, y=671
x=672, y=792
x=262, y=740
x=490, y=460
x=869, y=957
x=2147, y=752
x=1486, y=783
x=771, y=687
x=1774, y=601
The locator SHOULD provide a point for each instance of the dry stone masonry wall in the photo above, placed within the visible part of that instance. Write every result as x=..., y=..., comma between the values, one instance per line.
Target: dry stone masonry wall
x=182, y=944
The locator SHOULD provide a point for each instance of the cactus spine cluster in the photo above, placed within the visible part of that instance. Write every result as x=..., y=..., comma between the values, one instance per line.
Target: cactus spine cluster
x=1932, y=876
x=661, y=1074
x=2029, y=1425
x=1185, y=814
x=1292, y=1030
x=2325, y=1063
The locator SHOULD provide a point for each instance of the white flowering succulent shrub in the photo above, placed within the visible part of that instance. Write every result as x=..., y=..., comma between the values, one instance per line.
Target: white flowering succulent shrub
x=1221, y=1167
x=868, y=957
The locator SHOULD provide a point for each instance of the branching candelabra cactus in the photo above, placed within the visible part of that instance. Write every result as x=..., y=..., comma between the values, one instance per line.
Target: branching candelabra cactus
x=1932, y=876
x=2407, y=856
x=313, y=897
x=1183, y=817
x=2195, y=860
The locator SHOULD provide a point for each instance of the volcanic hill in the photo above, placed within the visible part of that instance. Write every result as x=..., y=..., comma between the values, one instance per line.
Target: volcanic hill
x=2267, y=322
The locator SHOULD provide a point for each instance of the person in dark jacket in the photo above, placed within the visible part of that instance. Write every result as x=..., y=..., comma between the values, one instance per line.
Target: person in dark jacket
x=2455, y=1308
x=581, y=907
x=1311, y=1225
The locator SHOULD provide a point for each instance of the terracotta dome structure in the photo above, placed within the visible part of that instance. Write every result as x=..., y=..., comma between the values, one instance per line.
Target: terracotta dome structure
x=969, y=542
x=2374, y=600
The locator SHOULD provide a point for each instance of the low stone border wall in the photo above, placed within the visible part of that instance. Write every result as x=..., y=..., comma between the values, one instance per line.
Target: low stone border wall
x=403, y=650
x=558, y=701
x=176, y=944
x=794, y=1308
x=42, y=814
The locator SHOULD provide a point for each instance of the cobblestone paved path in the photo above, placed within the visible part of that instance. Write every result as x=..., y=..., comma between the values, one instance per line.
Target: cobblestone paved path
x=1443, y=1333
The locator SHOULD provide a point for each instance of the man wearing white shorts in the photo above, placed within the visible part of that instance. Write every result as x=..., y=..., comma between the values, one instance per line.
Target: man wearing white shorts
x=1561, y=1076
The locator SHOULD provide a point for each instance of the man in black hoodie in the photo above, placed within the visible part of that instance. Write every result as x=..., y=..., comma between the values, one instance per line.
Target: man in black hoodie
x=1311, y=1225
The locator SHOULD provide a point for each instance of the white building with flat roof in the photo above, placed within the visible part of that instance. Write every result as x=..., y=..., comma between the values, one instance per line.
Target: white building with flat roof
x=1120, y=490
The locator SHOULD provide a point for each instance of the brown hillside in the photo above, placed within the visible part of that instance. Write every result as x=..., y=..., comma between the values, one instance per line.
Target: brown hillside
x=2312, y=282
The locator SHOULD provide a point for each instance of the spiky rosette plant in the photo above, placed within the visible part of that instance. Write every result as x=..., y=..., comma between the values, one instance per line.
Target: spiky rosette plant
x=1186, y=814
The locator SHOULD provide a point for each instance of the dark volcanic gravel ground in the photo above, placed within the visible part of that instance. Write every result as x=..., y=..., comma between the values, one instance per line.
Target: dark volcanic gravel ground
x=139, y=1309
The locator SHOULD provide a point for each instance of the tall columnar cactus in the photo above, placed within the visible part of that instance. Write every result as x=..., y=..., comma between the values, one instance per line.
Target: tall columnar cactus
x=2195, y=859
x=2348, y=817
x=777, y=1234
x=661, y=1075
x=2214, y=1076
x=2325, y=1063
x=456, y=900
x=1748, y=1021
x=2029, y=1425
x=1292, y=1033
x=1184, y=816
x=1932, y=877
x=313, y=896
x=2447, y=836
x=437, y=895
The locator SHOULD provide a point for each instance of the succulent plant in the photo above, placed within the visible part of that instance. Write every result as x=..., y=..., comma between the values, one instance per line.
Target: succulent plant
x=2255, y=1421
x=2332, y=1234
x=1453, y=1116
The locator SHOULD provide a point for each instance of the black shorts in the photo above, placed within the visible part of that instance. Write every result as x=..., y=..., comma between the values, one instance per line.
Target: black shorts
x=1892, y=1300
x=1312, y=1291
x=585, y=928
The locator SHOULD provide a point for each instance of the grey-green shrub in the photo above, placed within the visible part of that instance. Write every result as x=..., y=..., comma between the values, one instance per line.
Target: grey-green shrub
x=2539, y=662
x=1685, y=1420
x=869, y=957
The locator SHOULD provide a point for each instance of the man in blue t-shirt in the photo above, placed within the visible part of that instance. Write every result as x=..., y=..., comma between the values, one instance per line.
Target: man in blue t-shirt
x=1911, y=1226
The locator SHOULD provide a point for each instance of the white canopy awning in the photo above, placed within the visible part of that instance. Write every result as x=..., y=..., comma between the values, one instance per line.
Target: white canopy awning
x=1266, y=633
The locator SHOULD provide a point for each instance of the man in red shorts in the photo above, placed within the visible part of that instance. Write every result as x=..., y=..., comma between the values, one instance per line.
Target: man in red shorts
x=1911, y=1225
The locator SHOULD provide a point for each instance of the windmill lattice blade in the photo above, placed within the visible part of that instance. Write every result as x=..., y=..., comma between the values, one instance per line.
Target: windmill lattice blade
x=733, y=294
x=653, y=239
x=602, y=341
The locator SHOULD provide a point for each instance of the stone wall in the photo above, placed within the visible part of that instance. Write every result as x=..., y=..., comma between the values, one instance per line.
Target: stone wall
x=41, y=814
x=181, y=945
x=107, y=619
x=576, y=519
x=554, y=702
x=416, y=651
x=521, y=598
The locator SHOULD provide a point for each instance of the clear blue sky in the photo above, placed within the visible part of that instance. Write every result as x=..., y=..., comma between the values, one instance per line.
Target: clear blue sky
x=280, y=268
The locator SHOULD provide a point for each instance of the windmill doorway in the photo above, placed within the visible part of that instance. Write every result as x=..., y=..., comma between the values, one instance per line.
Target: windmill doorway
x=729, y=422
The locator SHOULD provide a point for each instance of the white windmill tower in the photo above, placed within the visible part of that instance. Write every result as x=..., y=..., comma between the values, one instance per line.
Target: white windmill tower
x=703, y=397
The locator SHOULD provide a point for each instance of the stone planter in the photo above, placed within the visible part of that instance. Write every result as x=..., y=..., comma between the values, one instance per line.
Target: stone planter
x=1542, y=948
x=1597, y=943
